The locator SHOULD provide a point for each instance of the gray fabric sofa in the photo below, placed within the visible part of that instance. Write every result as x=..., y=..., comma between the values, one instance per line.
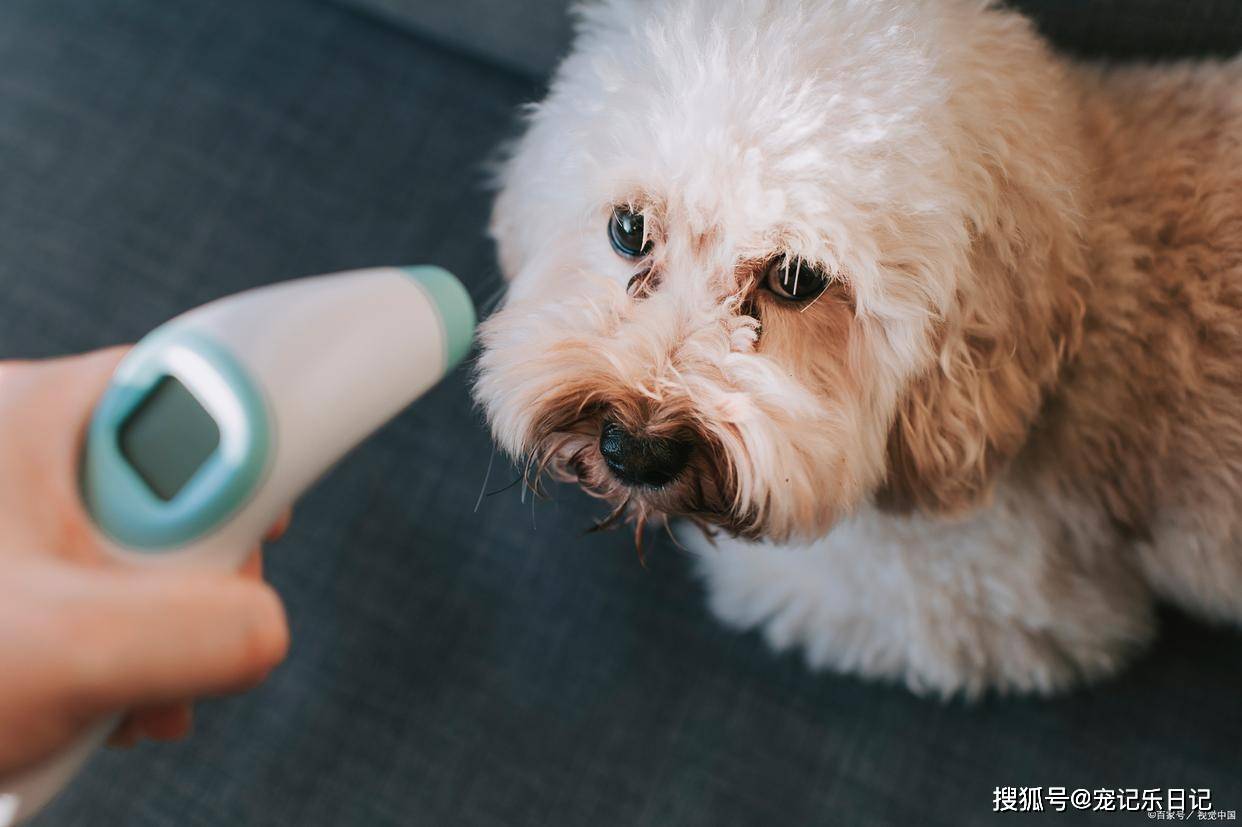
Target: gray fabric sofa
x=467, y=660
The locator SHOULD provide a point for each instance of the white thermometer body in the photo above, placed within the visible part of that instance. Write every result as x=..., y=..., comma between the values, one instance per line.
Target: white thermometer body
x=218, y=420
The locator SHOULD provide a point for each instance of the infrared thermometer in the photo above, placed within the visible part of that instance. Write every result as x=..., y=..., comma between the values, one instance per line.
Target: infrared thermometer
x=218, y=420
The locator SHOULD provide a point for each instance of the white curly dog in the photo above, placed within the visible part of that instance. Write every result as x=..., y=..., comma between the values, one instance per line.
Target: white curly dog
x=939, y=332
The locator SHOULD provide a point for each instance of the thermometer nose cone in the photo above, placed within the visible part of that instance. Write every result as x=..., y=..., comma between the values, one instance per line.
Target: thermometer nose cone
x=454, y=308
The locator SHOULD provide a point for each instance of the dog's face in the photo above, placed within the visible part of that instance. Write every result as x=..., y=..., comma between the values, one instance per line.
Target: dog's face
x=771, y=259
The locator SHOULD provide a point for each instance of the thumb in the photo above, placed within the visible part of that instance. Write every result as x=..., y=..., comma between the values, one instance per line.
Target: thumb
x=144, y=638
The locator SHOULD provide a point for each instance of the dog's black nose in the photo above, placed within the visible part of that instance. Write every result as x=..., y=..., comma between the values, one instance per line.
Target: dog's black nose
x=635, y=460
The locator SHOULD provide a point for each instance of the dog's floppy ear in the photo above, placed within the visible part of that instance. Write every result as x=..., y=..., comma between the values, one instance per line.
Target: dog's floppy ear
x=1017, y=312
x=1018, y=318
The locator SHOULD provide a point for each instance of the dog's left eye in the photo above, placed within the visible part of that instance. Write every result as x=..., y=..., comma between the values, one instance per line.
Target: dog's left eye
x=627, y=233
x=794, y=279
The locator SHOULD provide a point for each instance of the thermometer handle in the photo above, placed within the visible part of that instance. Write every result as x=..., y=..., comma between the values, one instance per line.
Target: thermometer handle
x=27, y=792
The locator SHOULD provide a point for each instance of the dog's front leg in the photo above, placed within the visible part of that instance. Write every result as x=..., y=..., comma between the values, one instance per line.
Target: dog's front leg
x=1012, y=598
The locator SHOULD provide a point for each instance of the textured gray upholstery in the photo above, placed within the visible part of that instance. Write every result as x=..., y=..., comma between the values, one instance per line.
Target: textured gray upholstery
x=529, y=35
x=454, y=666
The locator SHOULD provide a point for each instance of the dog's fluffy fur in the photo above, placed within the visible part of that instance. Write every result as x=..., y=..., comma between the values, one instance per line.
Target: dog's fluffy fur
x=1012, y=420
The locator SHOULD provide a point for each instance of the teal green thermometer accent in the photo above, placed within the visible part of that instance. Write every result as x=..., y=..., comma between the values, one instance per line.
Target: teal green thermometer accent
x=457, y=317
x=218, y=420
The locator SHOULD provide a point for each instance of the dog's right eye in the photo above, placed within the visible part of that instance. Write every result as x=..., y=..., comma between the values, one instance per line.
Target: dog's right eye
x=795, y=280
x=627, y=234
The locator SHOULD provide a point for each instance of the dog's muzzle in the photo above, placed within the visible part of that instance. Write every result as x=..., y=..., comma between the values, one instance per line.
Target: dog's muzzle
x=647, y=461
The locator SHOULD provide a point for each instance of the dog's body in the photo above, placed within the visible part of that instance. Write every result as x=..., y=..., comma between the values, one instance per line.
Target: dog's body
x=1012, y=416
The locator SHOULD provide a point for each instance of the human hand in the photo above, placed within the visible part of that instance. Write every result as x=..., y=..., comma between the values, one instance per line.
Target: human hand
x=81, y=637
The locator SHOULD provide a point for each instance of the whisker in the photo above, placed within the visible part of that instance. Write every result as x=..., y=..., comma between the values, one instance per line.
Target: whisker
x=526, y=478
x=668, y=529
x=486, y=477
x=534, y=486
x=503, y=488
x=640, y=523
x=611, y=520
x=807, y=306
